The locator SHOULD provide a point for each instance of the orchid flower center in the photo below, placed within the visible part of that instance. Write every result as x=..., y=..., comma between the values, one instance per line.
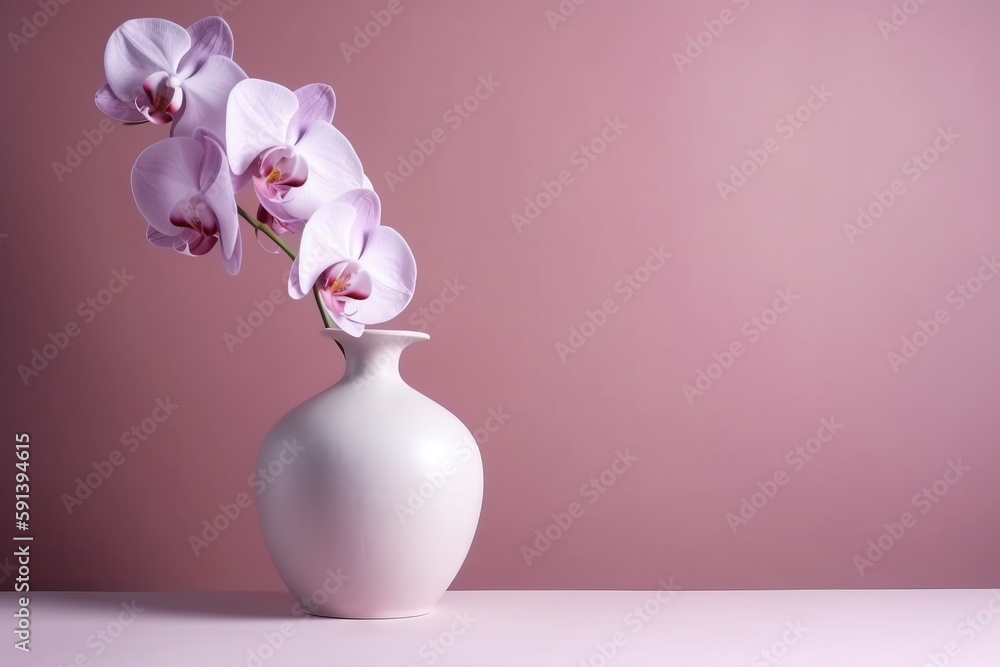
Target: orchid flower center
x=343, y=283
x=278, y=171
x=163, y=98
x=275, y=176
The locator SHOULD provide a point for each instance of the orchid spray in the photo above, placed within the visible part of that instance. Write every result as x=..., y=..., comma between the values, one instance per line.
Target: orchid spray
x=229, y=132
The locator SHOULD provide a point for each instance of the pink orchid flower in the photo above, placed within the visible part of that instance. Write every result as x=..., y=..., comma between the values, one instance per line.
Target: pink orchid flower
x=365, y=273
x=298, y=161
x=159, y=72
x=184, y=190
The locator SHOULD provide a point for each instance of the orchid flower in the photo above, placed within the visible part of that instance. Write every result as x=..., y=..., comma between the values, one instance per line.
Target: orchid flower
x=183, y=189
x=159, y=72
x=364, y=273
x=298, y=161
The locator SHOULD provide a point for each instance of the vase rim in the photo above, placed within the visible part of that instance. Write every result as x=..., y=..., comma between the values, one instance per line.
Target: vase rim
x=377, y=333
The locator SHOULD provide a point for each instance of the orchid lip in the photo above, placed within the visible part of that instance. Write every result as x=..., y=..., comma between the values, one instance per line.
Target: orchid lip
x=163, y=97
x=197, y=215
x=201, y=245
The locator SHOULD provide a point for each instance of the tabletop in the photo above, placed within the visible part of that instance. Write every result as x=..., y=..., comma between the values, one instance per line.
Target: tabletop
x=662, y=628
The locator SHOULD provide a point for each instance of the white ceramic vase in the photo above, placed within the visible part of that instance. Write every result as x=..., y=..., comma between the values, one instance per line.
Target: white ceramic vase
x=378, y=493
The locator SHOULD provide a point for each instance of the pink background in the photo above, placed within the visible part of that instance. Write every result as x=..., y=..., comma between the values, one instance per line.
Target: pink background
x=495, y=346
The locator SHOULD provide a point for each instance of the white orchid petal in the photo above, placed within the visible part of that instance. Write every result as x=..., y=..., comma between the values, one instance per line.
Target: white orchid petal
x=350, y=326
x=205, y=96
x=316, y=102
x=219, y=193
x=334, y=168
x=122, y=110
x=141, y=47
x=211, y=36
x=257, y=117
x=294, y=287
x=164, y=174
x=161, y=240
x=389, y=260
x=369, y=214
x=325, y=241
x=382, y=305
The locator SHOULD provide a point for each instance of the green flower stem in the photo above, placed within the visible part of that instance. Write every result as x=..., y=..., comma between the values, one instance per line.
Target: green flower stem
x=271, y=234
x=322, y=311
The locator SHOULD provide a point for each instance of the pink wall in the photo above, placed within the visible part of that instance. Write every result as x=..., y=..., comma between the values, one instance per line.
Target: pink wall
x=671, y=133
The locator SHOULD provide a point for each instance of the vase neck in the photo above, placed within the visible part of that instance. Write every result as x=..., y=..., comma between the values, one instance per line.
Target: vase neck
x=374, y=354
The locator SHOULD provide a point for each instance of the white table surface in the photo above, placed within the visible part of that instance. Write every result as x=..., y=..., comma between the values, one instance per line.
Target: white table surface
x=884, y=628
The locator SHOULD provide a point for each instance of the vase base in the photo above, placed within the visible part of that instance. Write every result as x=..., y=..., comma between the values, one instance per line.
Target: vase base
x=371, y=617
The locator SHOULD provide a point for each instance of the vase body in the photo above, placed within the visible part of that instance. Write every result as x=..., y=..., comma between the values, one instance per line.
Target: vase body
x=377, y=493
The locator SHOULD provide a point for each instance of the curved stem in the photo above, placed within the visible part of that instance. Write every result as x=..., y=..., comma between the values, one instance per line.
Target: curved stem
x=326, y=318
x=322, y=311
x=270, y=233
